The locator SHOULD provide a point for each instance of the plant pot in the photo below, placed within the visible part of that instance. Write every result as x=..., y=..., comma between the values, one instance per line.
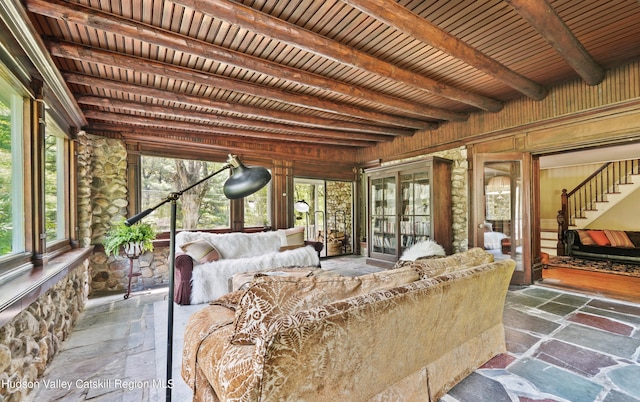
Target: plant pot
x=133, y=249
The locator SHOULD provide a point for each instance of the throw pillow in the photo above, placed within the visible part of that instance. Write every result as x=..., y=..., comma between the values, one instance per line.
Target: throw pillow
x=618, y=238
x=599, y=237
x=634, y=237
x=585, y=239
x=272, y=297
x=201, y=251
x=291, y=238
x=426, y=248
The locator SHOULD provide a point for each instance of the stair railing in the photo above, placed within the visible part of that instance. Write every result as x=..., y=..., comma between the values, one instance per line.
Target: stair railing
x=593, y=189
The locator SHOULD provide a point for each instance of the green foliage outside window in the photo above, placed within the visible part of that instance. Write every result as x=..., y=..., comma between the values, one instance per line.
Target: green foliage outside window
x=6, y=222
x=203, y=207
x=51, y=187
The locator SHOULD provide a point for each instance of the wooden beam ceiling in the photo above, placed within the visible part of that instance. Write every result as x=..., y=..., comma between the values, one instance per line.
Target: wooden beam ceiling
x=333, y=73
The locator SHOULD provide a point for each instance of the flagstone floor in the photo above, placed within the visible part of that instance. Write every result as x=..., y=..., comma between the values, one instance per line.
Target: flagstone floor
x=561, y=346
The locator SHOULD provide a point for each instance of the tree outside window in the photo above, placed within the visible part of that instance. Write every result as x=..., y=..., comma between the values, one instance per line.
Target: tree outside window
x=54, y=197
x=12, y=231
x=203, y=207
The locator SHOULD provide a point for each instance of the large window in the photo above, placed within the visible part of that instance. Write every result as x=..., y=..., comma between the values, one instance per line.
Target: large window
x=257, y=208
x=54, y=183
x=12, y=231
x=203, y=207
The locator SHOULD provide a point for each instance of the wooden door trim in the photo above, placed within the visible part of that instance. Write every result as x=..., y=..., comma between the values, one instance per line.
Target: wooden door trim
x=523, y=277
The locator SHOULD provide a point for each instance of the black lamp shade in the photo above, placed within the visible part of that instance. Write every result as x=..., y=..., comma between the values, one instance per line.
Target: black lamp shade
x=245, y=181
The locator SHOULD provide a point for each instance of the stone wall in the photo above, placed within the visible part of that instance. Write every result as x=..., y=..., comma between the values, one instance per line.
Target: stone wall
x=103, y=202
x=339, y=199
x=459, y=196
x=33, y=337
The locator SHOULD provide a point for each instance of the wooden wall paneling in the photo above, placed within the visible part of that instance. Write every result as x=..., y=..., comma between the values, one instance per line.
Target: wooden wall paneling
x=282, y=194
x=619, y=92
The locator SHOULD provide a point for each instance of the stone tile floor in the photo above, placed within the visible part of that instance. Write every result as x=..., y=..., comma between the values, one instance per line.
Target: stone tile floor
x=561, y=346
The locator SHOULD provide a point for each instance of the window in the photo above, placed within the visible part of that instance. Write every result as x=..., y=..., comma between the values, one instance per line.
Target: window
x=54, y=183
x=203, y=207
x=12, y=230
x=257, y=208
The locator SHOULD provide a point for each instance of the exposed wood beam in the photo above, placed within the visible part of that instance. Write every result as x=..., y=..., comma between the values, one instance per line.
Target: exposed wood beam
x=271, y=27
x=548, y=24
x=146, y=66
x=151, y=123
x=161, y=139
x=172, y=113
x=89, y=17
x=259, y=113
x=399, y=17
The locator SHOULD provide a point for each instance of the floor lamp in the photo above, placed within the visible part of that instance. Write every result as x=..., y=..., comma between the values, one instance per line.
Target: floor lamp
x=243, y=181
x=303, y=207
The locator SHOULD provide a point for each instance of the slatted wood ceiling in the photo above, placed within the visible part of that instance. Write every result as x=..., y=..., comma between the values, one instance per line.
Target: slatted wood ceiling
x=322, y=73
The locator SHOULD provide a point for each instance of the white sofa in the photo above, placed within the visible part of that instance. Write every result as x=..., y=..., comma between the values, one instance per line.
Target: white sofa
x=197, y=282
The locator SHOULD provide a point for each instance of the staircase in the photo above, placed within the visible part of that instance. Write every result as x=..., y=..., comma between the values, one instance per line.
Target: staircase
x=548, y=236
x=597, y=194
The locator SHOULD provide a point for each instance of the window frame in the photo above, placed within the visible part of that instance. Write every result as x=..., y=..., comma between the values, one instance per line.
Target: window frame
x=236, y=207
x=18, y=261
x=63, y=198
x=29, y=124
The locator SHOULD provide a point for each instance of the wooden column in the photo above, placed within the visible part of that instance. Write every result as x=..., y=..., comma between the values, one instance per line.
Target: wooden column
x=72, y=183
x=37, y=164
x=134, y=187
x=282, y=194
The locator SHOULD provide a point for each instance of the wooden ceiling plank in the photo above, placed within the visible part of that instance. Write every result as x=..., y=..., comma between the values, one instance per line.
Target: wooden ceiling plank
x=96, y=19
x=116, y=60
x=404, y=20
x=548, y=24
x=266, y=25
x=270, y=115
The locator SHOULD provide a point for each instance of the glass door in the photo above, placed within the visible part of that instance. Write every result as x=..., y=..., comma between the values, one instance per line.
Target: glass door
x=325, y=208
x=501, y=199
x=383, y=217
x=415, y=213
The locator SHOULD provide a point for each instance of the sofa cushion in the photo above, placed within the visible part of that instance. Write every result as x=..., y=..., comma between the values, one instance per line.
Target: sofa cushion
x=270, y=298
x=599, y=237
x=618, y=238
x=229, y=300
x=585, y=239
x=429, y=268
x=291, y=238
x=634, y=237
x=201, y=251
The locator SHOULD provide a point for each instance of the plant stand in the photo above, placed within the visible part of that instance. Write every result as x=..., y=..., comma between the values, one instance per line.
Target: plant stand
x=132, y=251
x=131, y=275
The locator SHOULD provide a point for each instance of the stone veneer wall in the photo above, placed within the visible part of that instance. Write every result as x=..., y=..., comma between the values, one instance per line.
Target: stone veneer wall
x=459, y=196
x=33, y=337
x=102, y=200
x=339, y=199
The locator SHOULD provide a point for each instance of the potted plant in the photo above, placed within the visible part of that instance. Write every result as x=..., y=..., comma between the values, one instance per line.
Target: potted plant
x=134, y=239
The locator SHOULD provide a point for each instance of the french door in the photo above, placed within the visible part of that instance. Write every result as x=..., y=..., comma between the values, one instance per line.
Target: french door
x=502, y=204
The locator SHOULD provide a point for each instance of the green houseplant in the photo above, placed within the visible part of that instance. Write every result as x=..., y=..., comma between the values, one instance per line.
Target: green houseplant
x=135, y=239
